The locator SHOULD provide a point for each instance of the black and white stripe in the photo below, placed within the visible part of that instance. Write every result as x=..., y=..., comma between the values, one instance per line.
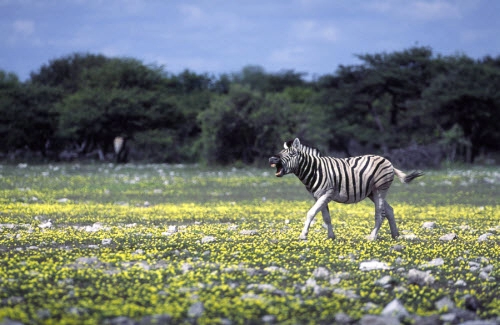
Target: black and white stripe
x=344, y=180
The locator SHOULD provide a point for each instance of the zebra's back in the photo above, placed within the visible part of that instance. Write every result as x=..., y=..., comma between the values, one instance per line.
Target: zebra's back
x=352, y=179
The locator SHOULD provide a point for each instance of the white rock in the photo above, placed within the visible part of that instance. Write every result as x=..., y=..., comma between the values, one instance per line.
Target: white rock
x=144, y=265
x=268, y=319
x=484, y=237
x=409, y=237
x=250, y=232
x=321, y=273
x=63, y=200
x=334, y=280
x=460, y=283
x=448, y=318
x=384, y=281
x=448, y=237
x=420, y=277
x=369, y=306
x=87, y=260
x=435, y=262
x=444, y=303
x=346, y=293
x=429, y=225
x=373, y=265
x=480, y=322
x=396, y=309
x=474, y=264
x=196, y=310
x=207, y=239
x=487, y=268
x=186, y=267
x=121, y=320
x=342, y=318
x=107, y=241
x=47, y=224
x=378, y=320
x=276, y=269
x=261, y=287
x=484, y=276
x=311, y=282
x=95, y=227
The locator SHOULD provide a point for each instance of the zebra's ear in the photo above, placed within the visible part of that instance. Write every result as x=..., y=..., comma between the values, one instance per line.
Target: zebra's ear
x=296, y=143
x=285, y=145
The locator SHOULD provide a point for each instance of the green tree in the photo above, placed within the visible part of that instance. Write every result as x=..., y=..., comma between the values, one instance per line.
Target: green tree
x=465, y=102
x=370, y=102
x=27, y=120
x=120, y=98
x=246, y=126
x=68, y=73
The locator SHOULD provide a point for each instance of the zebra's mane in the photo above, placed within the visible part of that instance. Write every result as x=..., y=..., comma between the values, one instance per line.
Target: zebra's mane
x=311, y=151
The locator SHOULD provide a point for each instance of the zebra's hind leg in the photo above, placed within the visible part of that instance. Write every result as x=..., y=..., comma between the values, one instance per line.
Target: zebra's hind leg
x=389, y=213
x=379, y=202
x=328, y=221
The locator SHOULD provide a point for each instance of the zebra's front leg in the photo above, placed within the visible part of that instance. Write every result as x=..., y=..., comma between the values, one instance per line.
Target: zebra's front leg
x=318, y=206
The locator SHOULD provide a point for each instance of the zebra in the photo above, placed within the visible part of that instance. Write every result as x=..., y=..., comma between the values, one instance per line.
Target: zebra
x=343, y=180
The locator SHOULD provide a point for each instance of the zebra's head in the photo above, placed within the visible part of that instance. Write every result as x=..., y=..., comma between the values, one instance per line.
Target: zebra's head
x=286, y=161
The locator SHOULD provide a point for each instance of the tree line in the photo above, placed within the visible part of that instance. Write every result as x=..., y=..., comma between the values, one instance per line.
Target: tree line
x=411, y=105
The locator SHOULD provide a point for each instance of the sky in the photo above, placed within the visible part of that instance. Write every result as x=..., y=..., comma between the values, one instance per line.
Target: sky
x=308, y=36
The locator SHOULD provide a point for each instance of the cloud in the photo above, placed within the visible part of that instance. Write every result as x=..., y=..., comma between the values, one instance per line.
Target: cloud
x=191, y=13
x=471, y=36
x=417, y=9
x=24, y=27
x=287, y=55
x=431, y=10
x=307, y=30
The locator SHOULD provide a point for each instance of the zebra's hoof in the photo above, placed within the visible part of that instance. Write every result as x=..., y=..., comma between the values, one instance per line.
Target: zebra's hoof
x=302, y=237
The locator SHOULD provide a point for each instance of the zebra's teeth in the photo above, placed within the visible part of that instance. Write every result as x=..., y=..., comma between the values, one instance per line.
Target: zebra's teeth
x=273, y=165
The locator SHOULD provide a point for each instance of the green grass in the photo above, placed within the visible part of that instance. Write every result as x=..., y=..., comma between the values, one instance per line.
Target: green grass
x=112, y=250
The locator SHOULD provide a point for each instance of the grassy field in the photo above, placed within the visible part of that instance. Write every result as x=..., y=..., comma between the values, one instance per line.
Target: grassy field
x=183, y=244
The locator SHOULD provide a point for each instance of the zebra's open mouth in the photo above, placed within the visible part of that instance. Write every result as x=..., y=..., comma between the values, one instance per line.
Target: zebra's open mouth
x=276, y=162
x=279, y=169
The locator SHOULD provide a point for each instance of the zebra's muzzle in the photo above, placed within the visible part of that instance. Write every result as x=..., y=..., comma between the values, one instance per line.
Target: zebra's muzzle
x=276, y=162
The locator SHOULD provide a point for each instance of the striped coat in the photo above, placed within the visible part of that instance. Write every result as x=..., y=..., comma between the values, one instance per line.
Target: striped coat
x=344, y=180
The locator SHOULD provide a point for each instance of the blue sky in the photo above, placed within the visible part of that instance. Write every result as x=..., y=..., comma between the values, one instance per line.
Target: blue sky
x=311, y=36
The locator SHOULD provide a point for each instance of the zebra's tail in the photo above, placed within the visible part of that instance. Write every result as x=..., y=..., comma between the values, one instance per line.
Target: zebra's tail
x=406, y=178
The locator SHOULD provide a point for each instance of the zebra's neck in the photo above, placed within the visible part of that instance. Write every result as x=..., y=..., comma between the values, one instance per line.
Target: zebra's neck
x=308, y=171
